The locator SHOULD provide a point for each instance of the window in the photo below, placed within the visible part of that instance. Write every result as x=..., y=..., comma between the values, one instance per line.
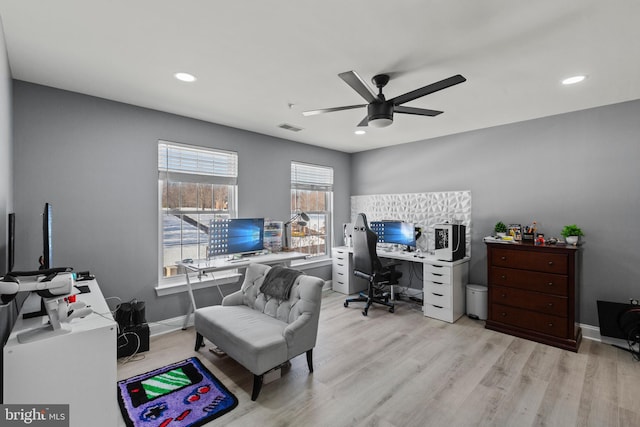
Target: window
x=312, y=194
x=196, y=185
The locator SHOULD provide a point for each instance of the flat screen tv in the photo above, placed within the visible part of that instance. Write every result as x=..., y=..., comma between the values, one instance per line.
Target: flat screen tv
x=236, y=236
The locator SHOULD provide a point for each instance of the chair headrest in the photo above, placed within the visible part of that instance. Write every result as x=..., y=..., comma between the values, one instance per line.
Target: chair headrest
x=361, y=222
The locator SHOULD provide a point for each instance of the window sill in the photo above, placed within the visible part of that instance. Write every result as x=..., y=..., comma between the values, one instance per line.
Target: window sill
x=311, y=262
x=179, y=284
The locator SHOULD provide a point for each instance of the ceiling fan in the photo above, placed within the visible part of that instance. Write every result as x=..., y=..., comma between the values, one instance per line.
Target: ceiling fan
x=379, y=109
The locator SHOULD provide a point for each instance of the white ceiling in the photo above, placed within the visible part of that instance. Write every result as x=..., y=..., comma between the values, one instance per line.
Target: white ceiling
x=255, y=58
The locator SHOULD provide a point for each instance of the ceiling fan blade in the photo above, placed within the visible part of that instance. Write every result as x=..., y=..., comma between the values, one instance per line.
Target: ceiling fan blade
x=355, y=81
x=330, y=110
x=364, y=122
x=416, y=111
x=426, y=90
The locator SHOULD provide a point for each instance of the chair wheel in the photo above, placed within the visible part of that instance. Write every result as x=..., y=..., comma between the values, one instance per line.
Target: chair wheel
x=392, y=310
x=364, y=312
x=346, y=304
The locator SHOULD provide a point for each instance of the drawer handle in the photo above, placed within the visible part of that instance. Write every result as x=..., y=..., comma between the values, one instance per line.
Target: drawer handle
x=550, y=304
x=438, y=283
x=340, y=274
x=341, y=265
x=550, y=262
x=437, y=306
x=550, y=325
x=550, y=284
x=503, y=314
x=437, y=274
x=438, y=295
x=504, y=295
x=503, y=277
x=503, y=258
x=437, y=266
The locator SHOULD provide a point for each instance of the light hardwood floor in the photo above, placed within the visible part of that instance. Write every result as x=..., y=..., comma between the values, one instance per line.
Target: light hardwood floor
x=404, y=369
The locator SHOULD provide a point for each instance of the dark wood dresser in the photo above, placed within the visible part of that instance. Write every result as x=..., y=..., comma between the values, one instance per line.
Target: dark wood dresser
x=533, y=292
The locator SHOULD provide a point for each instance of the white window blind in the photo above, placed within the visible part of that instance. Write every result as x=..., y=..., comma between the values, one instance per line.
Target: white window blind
x=311, y=177
x=180, y=163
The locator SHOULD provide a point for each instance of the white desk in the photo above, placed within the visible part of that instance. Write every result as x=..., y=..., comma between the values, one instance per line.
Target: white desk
x=221, y=264
x=444, y=283
x=78, y=368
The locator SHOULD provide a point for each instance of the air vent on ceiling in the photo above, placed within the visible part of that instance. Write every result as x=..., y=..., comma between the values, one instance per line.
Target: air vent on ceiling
x=290, y=127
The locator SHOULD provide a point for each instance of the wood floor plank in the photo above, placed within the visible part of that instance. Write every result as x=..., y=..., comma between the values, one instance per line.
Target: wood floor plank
x=561, y=401
x=403, y=369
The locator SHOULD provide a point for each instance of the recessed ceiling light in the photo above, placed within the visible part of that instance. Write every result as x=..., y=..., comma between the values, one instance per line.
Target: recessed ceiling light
x=360, y=132
x=573, y=80
x=185, y=77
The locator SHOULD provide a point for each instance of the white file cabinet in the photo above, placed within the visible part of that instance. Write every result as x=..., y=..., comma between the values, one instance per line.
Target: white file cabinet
x=444, y=289
x=342, y=276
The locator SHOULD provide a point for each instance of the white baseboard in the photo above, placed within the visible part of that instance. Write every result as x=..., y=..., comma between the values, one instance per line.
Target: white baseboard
x=590, y=332
x=593, y=333
x=168, y=325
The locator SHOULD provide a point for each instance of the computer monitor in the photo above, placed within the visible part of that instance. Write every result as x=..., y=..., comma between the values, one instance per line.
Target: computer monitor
x=394, y=232
x=47, y=246
x=11, y=242
x=236, y=236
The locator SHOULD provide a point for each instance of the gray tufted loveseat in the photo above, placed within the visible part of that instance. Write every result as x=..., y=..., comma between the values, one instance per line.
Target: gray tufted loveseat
x=262, y=332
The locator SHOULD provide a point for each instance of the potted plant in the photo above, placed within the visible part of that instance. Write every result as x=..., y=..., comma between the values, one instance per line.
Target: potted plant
x=500, y=229
x=571, y=234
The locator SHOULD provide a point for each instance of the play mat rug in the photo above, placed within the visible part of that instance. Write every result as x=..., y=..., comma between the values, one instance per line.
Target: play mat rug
x=183, y=394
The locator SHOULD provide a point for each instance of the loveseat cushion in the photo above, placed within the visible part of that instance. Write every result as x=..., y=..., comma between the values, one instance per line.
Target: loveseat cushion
x=252, y=338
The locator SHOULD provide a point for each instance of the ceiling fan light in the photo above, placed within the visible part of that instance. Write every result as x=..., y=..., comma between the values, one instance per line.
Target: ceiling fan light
x=380, y=114
x=382, y=122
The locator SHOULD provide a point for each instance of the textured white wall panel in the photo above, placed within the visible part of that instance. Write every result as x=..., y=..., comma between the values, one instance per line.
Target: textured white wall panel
x=423, y=209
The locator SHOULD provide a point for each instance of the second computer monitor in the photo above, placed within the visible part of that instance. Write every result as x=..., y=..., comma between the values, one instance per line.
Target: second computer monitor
x=395, y=232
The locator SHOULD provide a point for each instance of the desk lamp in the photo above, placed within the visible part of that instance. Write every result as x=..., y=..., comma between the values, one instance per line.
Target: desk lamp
x=301, y=219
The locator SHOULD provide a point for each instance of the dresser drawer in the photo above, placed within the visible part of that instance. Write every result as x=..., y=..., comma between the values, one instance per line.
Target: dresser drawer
x=521, y=318
x=555, y=284
x=341, y=266
x=437, y=294
x=438, y=312
x=339, y=276
x=530, y=260
x=437, y=273
x=341, y=254
x=535, y=301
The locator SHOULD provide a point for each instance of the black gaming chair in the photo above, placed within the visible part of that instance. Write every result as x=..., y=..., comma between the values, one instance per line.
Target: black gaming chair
x=368, y=266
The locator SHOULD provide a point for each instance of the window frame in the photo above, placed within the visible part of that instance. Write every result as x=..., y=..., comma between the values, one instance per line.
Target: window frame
x=313, y=177
x=199, y=172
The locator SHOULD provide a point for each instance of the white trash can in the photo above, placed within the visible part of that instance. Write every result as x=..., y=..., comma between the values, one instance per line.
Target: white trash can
x=477, y=302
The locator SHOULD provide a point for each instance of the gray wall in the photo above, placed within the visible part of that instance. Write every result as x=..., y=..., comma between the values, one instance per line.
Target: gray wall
x=580, y=167
x=95, y=161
